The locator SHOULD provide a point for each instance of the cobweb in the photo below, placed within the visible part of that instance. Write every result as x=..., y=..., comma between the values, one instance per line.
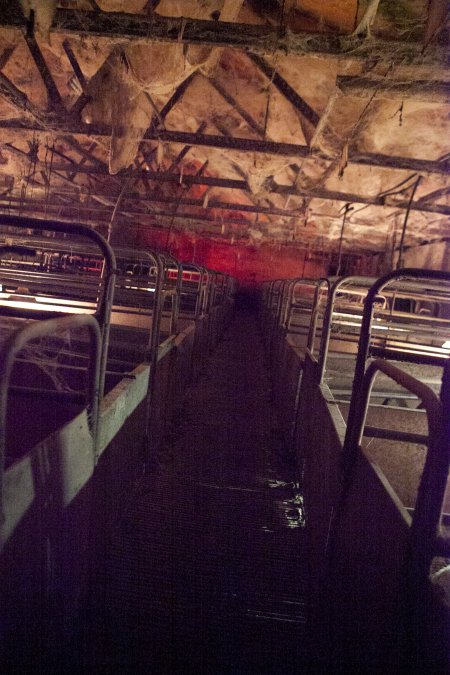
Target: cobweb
x=50, y=355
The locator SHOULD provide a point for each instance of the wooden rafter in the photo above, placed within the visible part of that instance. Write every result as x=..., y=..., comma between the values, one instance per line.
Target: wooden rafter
x=121, y=28
x=90, y=157
x=436, y=194
x=420, y=90
x=226, y=206
x=239, y=144
x=383, y=200
x=425, y=206
x=39, y=165
x=288, y=92
x=257, y=128
x=40, y=205
x=74, y=63
x=162, y=114
x=184, y=151
x=83, y=160
x=19, y=100
x=101, y=217
x=54, y=97
x=176, y=96
x=6, y=55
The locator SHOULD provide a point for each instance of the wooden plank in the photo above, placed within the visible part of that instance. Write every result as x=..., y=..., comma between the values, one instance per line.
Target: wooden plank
x=121, y=28
x=420, y=90
x=66, y=125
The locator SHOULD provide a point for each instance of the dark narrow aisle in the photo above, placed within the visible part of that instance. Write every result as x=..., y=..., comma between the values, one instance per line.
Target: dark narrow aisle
x=206, y=572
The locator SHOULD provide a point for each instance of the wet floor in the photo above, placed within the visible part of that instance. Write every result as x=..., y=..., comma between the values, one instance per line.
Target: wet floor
x=207, y=568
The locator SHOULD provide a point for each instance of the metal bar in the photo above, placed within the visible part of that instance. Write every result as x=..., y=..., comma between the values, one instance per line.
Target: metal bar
x=19, y=250
x=32, y=331
x=413, y=356
x=338, y=285
x=105, y=300
x=394, y=435
x=427, y=512
x=366, y=331
x=74, y=396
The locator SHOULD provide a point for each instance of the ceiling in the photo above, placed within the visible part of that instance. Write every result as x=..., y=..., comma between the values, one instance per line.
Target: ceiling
x=300, y=122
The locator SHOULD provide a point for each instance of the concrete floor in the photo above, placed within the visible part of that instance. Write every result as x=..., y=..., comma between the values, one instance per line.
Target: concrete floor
x=206, y=571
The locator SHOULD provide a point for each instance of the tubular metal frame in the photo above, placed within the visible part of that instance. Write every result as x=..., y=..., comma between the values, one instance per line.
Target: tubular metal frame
x=364, y=351
x=339, y=285
x=38, y=329
x=425, y=540
x=105, y=299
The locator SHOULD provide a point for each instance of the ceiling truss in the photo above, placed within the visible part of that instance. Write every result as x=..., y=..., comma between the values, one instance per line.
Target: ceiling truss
x=66, y=124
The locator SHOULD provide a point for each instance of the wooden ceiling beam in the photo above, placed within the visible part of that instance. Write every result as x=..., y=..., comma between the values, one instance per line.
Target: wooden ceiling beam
x=176, y=96
x=324, y=194
x=121, y=28
x=6, y=55
x=212, y=204
x=257, y=128
x=165, y=177
x=20, y=101
x=327, y=195
x=271, y=186
x=75, y=65
x=192, y=217
x=71, y=126
x=226, y=206
x=348, y=197
x=285, y=88
x=101, y=217
x=434, y=91
x=40, y=205
x=40, y=165
x=54, y=97
x=184, y=151
x=436, y=194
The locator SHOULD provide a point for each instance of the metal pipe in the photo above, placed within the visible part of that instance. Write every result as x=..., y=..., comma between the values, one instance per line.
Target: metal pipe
x=105, y=300
x=19, y=250
x=38, y=329
x=338, y=286
x=366, y=326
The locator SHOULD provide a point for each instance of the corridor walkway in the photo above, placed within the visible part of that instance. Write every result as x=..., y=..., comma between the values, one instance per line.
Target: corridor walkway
x=206, y=571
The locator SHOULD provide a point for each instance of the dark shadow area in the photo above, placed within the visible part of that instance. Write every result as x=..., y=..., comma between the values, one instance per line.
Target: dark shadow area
x=206, y=569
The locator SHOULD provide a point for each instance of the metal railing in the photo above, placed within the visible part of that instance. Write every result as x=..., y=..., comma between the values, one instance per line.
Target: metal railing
x=16, y=341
